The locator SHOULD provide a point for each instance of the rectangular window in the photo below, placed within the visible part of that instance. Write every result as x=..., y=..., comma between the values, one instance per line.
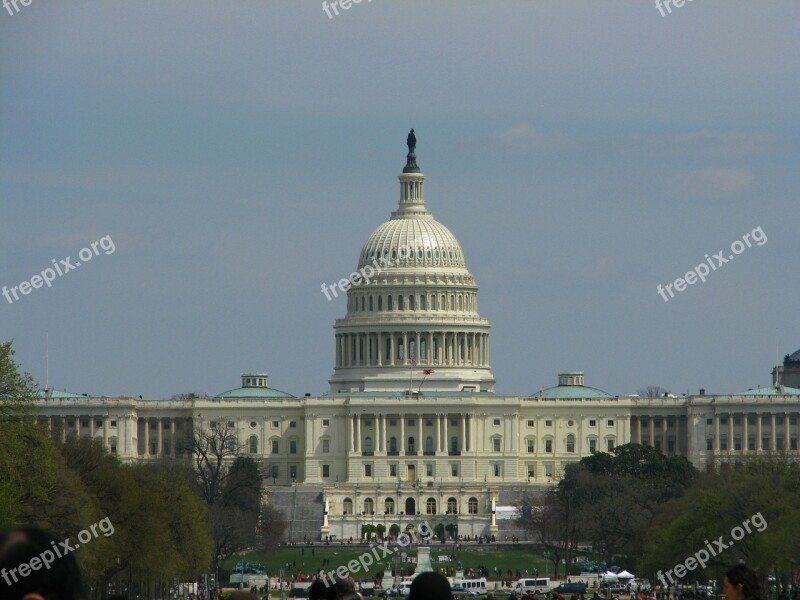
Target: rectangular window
x=531, y=448
x=326, y=445
x=392, y=422
x=429, y=422
x=368, y=470
x=710, y=444
x=113, y=448
x=274, y=471
x=326, y=422
x=723, y=443
x=293, y=472
x=765, y=443
x=709, y=421
x=723, y=421
x=548, y=445
x=793, y=444
x=531, y=471
x=548, y=469
x=326, y=470
x=393, y=470
x=113, y=422
x=592, y=445
x=671, y=446
x=453, y=422
x=778, y=420
x=548, y=423
x=737, y=443
x=292, y=423
x=454, y=469
x=230, y=424
x=429, y=470
x=496, y=422
x=570, y=445
x=496, y=444
x=496, y=468
x=367, y=422
x=292, y=447
x=530, y=422
x=275, y=424
x=737, y=420
x=610, y=422
x=610, y=444
x=593, y=423
x=411, y=422
x=751, y=443
x=275, y=446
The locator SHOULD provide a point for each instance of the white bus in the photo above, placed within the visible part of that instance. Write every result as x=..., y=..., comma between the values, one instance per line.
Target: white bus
x=472, y=585
x=533, y=584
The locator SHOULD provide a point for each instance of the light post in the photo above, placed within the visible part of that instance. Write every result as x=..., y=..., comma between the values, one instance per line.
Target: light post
x=546, y=557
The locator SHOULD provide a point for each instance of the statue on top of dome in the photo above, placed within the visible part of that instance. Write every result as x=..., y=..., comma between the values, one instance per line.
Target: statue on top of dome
x=411, y=141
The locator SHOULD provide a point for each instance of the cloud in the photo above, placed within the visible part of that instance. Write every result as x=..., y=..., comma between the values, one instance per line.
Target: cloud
x=524, y=135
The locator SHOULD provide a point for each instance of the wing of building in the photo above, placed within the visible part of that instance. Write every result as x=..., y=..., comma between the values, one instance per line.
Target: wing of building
x=411, y=427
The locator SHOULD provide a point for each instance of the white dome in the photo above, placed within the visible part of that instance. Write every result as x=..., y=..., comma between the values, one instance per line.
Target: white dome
x=418, y=241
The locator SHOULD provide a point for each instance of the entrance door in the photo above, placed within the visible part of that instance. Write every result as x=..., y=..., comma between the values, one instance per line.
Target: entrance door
x=412, y=473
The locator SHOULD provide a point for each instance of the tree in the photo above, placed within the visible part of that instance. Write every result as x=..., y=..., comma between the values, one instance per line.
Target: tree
x=380, y=529
x=652, y=391
x=394, y=530
x=18, y=392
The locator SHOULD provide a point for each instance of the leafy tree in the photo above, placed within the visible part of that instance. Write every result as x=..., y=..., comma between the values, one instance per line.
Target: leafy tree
x=380, y=530
x=18, y=392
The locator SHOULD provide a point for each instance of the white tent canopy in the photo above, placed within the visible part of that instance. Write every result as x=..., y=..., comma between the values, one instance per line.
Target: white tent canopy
x=626, y=575
x=609, y=577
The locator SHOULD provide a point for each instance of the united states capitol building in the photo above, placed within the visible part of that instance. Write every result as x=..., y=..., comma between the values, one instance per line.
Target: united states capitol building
x=411, y=427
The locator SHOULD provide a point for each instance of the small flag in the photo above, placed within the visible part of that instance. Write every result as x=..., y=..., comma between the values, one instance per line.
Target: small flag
x=427, y=371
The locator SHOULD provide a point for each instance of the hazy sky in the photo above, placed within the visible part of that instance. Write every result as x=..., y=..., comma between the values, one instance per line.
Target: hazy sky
x=239, y=154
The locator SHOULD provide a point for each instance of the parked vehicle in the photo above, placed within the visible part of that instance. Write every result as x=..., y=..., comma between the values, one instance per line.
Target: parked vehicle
x=570, y=588
x=460, y=592
x=534, y=585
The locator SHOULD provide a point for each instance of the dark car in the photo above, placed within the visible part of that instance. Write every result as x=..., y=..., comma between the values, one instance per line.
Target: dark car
x=570, y=588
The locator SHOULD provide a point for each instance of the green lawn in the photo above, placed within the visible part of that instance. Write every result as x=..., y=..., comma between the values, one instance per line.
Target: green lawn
x=514, y=558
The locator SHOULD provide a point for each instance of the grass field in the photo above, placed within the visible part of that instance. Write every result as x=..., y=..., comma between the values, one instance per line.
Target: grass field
x=508, y=557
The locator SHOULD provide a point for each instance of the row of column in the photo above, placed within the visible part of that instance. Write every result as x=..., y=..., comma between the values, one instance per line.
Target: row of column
x=122, y=433
x=160, y=438
x=759, y=432
x=441, y=426
x=663, y=434
x=397, y=349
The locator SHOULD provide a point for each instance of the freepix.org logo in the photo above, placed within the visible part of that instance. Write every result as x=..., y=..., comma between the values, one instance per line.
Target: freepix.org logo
x=422, y=534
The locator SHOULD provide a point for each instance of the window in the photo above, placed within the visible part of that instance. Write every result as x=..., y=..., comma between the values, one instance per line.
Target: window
x=113, y=448
x=326, y=446
x=275, y=446
x=723, y=421
x=592, y=422
x=430, y=506
x=610, y=422
x=429, y=470
x=293, y=472
x=231, y=424
x=429, y=444
x=388, y=506
x=392, y=422
x=393, y=470
x=368, y=444
x=548, y=470
x=548, y=446
x=326, y=470
x=452, y=506
x=751, y=443
x=610, y=445
x=367, y=422
x=711, y=421
x=592, y=445
x=531, y=446
x=392, y=444
x=99, y=423
x=454, y=444
x=453, y=422
x=454, y=469
x=570, y=443
x=429, y=422
x=368, y=470
x=369, y=507
x=213, y=424
x=496, y=469
x=292, y=447
x=275, y=424
x=412, y=422
x=531, y=471
x=326, y=422
x=411, y=447
x=496, y=444
x=113, y=422
x=347, y=507
x=710, y=444
x=274, y=472
x=253, y=424
x=253, y=444
x=548, y=423
x=530, y=422
x=496, y=422
x=472, y=506
x=292, y=423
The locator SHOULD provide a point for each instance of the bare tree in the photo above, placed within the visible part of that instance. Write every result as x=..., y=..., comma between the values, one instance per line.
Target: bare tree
x=652, y=391
x=212, y=450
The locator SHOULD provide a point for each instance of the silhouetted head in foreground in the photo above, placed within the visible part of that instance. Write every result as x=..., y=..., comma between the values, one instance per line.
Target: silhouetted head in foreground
x=430, y=586
x=741, y=583
x=34, y=566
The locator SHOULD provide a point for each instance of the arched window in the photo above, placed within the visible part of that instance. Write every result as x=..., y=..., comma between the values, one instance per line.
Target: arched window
x=452, y=506
x=400, y=302
x=389, y=303
x=388, y=506
x=570, y=443
x=422, y=302
x=433, y=302
x=370, y=304
x=380, y=302
x=392, y=444
x=347, y=507
x=253, y=444
x=362, y=303
x=429, y=444
x=411, y=303
x=473, y=506
x=411, y=444
x=369, y=507
x=454, y=444
x=430, y=506
x=411, y=506
x=443, y=305
x=368, y=444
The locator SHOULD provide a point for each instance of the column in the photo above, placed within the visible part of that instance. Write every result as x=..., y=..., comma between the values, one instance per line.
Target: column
x=160, y=448
x=393, y=350
x=352, y=435
x=787, y=422
x=402, y=434
x=463, y=445
x=759, y=432
x=91, y=427
x=745, y=432
x=420, y=445
x=147, y=437
x=638, y=430
x=438, y=441
x=664, y=434
x=420, y=358
x=384, y=433
x=716, y=432
x=357, y=360
x=652, y=428
x=172, y=437
x=380, y=349
x=405, y=348
x=773, y=433
x=358, y=433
